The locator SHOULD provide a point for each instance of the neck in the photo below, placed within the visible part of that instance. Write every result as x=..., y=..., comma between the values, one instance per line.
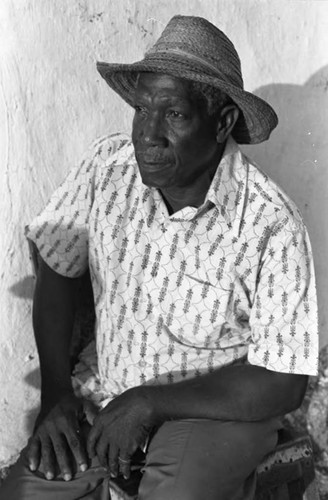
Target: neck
x=176, y=198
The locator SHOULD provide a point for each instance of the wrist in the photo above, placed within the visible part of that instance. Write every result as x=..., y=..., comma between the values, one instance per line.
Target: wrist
x=155, y=403
x=51, y=395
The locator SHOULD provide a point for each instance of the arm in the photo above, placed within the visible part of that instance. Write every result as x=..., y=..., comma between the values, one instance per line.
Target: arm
x=53, y=319
x=237, y=392
x=61, y=234
x=56, y=435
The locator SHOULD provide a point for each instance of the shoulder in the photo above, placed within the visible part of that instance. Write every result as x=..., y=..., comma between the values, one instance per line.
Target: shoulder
x=108, y=157
x=109, y=148
x=267, y=200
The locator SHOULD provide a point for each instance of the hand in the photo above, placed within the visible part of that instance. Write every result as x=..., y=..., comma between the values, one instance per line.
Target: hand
x=120, y=428
x=57, y=440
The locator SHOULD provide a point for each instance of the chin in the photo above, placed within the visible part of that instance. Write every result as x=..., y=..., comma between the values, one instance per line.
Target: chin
x=157, y=181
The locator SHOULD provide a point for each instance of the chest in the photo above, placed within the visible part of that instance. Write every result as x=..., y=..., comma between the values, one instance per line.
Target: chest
x=175, y=269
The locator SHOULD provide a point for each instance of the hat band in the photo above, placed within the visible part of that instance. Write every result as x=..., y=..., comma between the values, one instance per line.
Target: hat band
x=195, y=59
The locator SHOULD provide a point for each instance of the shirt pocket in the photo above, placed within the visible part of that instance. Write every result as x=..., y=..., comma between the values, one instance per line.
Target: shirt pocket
x=193, y=310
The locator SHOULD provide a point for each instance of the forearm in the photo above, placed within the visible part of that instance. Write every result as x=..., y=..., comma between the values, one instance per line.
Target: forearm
x=53, y=319
x=237, y=392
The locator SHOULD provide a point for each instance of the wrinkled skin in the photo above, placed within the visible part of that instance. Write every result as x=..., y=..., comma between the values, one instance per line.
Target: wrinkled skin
x=57, y=442
x=58, y=445
x=122, y=427
x=178, y=145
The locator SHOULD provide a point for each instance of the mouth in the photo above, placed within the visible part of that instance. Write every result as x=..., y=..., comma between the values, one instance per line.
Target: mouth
x=152, y=161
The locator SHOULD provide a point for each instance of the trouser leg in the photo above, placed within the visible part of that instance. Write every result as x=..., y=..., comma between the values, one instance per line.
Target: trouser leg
x=198, y=459
x=186, y=460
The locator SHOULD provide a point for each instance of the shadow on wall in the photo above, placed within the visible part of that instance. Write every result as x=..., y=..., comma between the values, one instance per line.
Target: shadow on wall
x=32, y=378
x=295, y=154
x=24, y=289
x=295, y=157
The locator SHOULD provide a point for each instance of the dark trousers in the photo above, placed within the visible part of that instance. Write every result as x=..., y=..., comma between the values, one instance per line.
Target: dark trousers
x=186, y=460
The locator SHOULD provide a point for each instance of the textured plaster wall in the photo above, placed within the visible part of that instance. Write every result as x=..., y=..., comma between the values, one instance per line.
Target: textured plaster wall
x=53, y=104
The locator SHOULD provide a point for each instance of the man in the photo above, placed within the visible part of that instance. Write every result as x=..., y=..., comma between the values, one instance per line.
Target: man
x=203, y=286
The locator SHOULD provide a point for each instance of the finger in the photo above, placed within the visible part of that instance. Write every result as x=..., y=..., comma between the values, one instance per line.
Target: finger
x=77, y=448
x=62, y=455
x=92, y=440
x=34, y=453
x=47, y=457
x=125, y=466
x=102, y=451
x=113, y=460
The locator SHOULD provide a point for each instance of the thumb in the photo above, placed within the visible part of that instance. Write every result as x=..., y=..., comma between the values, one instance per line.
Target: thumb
x=90, y=411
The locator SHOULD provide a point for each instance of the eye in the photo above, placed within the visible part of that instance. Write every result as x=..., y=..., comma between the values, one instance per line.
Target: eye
x=139, y=110
x=176, y=115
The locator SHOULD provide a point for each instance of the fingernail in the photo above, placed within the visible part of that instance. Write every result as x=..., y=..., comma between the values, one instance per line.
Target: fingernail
x=83, y=467
x=67, y=477
x=113, y=474
x=49, y=476
x=32, y=467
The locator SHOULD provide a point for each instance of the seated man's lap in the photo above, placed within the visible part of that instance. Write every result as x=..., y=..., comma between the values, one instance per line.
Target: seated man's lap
x=186, y=460
x=22, y=484
x=195, y=459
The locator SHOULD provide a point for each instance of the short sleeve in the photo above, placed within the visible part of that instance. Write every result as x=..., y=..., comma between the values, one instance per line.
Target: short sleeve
x=283, y=321
x=61, y=231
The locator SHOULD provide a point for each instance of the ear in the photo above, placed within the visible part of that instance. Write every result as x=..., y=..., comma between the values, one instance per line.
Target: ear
x=226, y=122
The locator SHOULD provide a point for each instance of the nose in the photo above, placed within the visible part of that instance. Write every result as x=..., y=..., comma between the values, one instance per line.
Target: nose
x=153, y=131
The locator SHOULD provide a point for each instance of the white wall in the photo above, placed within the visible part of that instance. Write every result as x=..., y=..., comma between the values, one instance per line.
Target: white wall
x=53, y=104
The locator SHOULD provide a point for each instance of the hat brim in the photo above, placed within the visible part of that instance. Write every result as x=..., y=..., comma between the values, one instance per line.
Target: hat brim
x=256, y=120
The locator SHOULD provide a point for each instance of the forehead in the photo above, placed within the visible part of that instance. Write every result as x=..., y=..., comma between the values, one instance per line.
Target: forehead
x=153, y=83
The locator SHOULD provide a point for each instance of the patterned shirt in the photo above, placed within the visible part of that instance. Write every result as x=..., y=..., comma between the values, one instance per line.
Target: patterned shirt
x=179, y=295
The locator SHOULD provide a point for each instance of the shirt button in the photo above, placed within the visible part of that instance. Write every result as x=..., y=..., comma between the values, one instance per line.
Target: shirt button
x=142, y=363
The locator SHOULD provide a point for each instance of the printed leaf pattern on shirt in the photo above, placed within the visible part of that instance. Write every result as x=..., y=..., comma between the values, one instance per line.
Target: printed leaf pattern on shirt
x=177, y=296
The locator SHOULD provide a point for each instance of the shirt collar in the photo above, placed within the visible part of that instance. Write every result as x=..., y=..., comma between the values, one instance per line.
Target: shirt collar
x=227, y=189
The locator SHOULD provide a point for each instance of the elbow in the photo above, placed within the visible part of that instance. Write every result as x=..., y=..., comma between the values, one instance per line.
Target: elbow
x=294, y=396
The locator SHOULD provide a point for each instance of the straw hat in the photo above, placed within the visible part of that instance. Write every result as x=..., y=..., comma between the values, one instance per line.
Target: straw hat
x=194, y=49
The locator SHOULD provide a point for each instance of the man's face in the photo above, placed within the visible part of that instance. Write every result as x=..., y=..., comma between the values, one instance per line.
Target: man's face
x=174, y=137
